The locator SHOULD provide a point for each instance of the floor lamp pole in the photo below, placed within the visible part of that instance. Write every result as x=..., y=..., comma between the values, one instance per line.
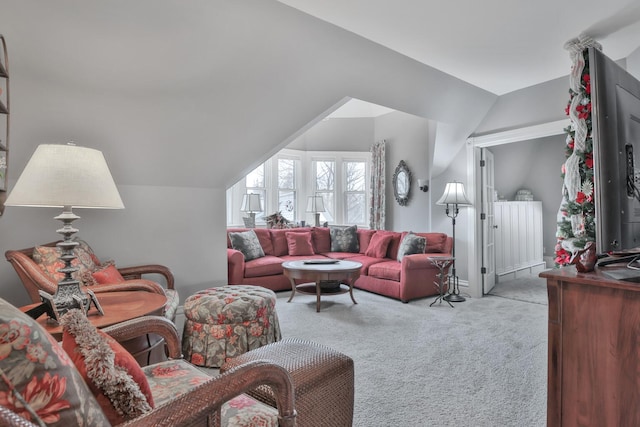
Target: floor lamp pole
x=454, y=285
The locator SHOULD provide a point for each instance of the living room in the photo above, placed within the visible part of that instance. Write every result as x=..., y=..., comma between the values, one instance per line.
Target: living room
x=185, y=99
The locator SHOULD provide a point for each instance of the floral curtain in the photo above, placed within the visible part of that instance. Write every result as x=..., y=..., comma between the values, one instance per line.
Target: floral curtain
x=377, y=206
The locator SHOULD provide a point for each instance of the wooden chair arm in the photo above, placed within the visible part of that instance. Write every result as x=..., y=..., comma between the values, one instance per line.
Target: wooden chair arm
x=148, y=325
x=136, y=272
x=129, y=285
x=204, y=400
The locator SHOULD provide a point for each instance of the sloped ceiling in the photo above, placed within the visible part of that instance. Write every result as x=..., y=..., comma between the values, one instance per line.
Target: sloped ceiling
x=196, y=93
x=498, y=45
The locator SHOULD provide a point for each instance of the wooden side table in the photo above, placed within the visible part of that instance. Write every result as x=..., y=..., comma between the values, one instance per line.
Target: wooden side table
x=118, y=307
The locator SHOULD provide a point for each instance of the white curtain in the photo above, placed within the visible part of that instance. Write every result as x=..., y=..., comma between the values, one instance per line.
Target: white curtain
x=377, y=206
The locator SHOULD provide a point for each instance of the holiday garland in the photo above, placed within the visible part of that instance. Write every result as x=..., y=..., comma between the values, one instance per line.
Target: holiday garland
x=576, y=217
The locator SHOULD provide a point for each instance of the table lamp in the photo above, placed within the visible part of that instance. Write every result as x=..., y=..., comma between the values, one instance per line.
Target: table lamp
x=66, y=176
x=251, y=203
x=453, y=197
x=315, y=205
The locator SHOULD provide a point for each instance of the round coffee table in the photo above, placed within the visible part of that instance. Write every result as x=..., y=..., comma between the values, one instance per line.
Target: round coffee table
x=319, y=271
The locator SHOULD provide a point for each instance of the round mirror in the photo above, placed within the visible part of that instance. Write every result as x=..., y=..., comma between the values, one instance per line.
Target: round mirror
x=402, y=183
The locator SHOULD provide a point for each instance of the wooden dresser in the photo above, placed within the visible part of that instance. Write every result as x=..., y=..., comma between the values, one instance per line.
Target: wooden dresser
x=594, y=350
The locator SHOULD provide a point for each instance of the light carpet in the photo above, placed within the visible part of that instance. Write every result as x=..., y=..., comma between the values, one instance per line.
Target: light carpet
x=482, y=363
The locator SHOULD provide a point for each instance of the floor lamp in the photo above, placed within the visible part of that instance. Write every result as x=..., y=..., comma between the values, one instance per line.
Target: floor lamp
x=66, y=176
x=454, y=197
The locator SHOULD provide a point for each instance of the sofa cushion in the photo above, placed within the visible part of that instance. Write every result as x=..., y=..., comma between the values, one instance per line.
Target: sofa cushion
x=411, y=244
x=299, y=243
x=36, y=367
x=364, y=238
x=268, y=265
x=247, y=242
x=394, y=244
x=378, y=245
x=279, y=239
x=344, y=239
x=321, y=240
x=113, y=375
x=436, y=242
x=264, y=236
x=389, y=270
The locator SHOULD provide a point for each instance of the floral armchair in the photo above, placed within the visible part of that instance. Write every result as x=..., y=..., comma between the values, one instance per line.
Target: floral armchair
x=79, y=382
x=37, y=268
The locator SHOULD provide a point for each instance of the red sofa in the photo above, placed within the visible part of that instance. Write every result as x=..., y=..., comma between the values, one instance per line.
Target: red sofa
x=407, y=280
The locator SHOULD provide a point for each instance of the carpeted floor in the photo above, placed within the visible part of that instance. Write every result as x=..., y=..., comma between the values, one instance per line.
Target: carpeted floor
x=529, y=289
x=482, y=363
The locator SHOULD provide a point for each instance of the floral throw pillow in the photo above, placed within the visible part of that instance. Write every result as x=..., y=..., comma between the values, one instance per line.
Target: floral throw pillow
x=344, y=239
x=48, y=259
x=411, y=244
x=247, y=242
x=39, y=381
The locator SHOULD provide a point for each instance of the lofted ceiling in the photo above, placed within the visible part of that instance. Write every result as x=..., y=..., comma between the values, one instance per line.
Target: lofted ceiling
x=497, y=45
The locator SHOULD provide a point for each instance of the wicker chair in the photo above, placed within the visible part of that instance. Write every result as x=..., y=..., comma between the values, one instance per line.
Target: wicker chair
x=35, y=279
x=198, y=405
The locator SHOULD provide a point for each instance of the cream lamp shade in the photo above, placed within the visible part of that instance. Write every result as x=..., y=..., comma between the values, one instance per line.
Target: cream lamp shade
x=454, y=195
x=251, y=203
x=66, y=175
x=315, y=204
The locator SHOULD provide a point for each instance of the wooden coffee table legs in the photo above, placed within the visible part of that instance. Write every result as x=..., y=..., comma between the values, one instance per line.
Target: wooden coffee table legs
x=318, y=290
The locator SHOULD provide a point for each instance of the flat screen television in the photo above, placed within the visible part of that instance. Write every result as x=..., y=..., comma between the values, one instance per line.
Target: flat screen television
x=615, y=97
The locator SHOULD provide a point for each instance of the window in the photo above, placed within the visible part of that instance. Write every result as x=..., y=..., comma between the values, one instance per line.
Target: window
x=285, y=180
x=325, y=178
x=287, y=200
x=355, y=200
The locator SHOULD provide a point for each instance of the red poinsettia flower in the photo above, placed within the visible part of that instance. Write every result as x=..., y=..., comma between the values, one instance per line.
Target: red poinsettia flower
x=588, y=161
x=567, y=109
x=580, y=197
x=571, y=144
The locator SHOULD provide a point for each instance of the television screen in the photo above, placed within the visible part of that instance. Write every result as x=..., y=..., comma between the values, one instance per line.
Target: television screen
x=615, y=101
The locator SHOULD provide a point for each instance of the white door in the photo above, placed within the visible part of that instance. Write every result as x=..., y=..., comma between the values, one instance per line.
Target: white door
x=488, y=221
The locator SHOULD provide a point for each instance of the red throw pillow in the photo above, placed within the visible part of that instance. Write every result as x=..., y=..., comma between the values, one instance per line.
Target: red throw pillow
x=108, y=275
x=299, y=243
x=112, y=374
x=378, y=245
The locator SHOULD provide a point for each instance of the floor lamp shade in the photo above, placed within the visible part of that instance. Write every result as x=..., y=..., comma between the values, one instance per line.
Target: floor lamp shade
x=454, y=195
x=66, y=175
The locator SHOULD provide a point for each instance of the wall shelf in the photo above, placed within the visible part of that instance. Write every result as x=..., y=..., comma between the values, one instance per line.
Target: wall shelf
x=4, y=121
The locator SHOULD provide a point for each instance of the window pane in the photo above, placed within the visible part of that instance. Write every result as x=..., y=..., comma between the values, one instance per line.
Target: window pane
x=329, y=206
x=325, y=175
x=286, y=173
x=355, y=208
x=287, y=204
x=355, y=179
x=255, y=177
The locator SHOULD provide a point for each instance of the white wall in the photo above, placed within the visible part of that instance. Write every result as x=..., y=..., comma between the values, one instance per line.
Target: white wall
x=172, y=226
x=407, y=139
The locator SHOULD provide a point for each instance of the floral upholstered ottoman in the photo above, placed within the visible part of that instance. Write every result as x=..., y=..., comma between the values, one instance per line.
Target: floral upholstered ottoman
x=227, y=321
